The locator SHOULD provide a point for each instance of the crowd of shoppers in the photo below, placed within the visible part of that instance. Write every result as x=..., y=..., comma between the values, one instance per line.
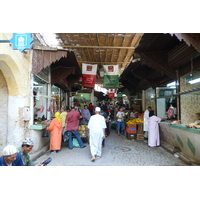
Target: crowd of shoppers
x=97, y=120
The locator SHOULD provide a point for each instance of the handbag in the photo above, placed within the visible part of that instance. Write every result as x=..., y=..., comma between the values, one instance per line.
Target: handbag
x=45, y=133
x=75, y=142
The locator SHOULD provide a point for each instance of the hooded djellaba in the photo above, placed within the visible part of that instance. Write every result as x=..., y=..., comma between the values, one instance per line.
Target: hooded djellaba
x=56, y=133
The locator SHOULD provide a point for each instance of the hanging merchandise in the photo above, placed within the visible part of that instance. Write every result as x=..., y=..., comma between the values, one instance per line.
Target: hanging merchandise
x=89, y=75
x=111, y=78
x=41, y=108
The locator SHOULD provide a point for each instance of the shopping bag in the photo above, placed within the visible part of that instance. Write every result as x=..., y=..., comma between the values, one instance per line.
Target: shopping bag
x=45, y=133
x=113, y=126
x=66, y=136
x=75, y=142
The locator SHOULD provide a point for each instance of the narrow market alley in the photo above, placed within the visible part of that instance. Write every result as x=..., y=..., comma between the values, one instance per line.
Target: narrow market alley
x=118, y=151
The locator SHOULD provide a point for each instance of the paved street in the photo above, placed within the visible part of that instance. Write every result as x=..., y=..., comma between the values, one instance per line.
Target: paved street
x=118, y=151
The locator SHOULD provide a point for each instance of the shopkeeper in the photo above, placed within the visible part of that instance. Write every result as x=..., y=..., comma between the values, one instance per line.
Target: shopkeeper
x=133, y=113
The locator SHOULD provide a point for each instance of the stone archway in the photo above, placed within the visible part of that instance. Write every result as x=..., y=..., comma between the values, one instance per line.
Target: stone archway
x=10, y=100
x=4, y=110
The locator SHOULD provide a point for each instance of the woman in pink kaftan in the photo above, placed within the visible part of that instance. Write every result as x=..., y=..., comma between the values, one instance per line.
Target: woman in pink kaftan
x=153, y=130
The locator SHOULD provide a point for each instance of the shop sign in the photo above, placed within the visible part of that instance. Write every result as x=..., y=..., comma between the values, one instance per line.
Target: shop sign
x=89, y=80
x=89, y=75
x=119, y=95
x=111, y=95
x=111, y=81
x=21, y=41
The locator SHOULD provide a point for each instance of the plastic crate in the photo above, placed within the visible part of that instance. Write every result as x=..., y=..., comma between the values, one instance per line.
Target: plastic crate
x=131, y=129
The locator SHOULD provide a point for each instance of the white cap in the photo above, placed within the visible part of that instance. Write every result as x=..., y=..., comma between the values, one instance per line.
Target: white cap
x=9, y=150
x=97, y=109
x=28, y=141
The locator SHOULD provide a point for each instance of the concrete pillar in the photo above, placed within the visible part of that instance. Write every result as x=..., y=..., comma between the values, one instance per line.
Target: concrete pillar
x=144, y=100
x=92, y=97
x=49, y=97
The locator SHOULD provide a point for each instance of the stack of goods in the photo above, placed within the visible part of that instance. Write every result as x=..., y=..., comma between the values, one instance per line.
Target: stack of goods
x=131, y=129
x=82, y=130
x=134, y=121
x=134, y=129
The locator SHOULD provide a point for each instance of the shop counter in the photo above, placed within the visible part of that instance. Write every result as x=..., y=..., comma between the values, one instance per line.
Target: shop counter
x=178, y=135
x=36, y=132
x=37, y=127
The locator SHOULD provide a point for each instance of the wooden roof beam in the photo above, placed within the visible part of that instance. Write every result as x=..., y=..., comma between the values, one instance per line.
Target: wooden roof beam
x=166, y=70
x=106, y=62
x=95, y=47
x=152, y=84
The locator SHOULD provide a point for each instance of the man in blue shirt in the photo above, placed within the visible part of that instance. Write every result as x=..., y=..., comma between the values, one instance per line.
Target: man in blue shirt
x=11, y=157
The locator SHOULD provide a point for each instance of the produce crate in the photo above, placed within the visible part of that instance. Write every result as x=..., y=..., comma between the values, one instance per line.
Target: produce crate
x=140, y=136
x=130, y=136
x=140, y=128
x=131, y=129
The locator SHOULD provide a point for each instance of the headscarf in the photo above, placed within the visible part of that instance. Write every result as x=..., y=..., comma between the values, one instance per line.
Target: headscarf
x=57, y=116
x=151, y=113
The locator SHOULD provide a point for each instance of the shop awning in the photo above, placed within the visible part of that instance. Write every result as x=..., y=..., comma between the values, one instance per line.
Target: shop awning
x=65, y=70
x=44, y=58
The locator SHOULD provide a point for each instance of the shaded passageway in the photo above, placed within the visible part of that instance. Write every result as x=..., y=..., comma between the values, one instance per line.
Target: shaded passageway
x=118, y=151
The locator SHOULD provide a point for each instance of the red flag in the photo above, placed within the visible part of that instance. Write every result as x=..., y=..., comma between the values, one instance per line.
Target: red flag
x=89, y=75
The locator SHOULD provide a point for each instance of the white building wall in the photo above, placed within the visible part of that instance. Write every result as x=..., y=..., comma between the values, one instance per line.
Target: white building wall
x=15, y=73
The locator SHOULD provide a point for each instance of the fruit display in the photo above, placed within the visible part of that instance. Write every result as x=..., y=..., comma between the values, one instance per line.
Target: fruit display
x=134, y=121
x=82, y=129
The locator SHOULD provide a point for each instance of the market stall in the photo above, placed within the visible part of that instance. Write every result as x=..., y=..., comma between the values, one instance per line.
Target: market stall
x=134, y=129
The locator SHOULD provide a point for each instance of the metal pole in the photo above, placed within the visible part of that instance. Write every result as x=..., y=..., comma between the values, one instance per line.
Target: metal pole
x=155, y=101
x=4, y=41
x=178, y=110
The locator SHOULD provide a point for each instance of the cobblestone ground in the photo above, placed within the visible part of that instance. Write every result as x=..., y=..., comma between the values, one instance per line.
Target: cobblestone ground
x=118, y=151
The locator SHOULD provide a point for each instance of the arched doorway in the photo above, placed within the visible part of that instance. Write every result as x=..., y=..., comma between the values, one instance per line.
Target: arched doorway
x=4, y=110
x=10, y=100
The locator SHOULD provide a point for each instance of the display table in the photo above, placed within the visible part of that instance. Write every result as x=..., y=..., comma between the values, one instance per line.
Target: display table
x=37, y=127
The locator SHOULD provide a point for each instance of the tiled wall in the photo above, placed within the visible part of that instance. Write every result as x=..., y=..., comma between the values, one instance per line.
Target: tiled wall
x=190, y=103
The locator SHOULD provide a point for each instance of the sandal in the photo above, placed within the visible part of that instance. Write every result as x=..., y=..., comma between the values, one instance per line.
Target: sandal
x=97, y=157
x=92, y=159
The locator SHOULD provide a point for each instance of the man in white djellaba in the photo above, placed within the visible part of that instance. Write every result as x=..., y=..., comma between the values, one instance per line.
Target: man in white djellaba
x=146, y=123
x=96, y=128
